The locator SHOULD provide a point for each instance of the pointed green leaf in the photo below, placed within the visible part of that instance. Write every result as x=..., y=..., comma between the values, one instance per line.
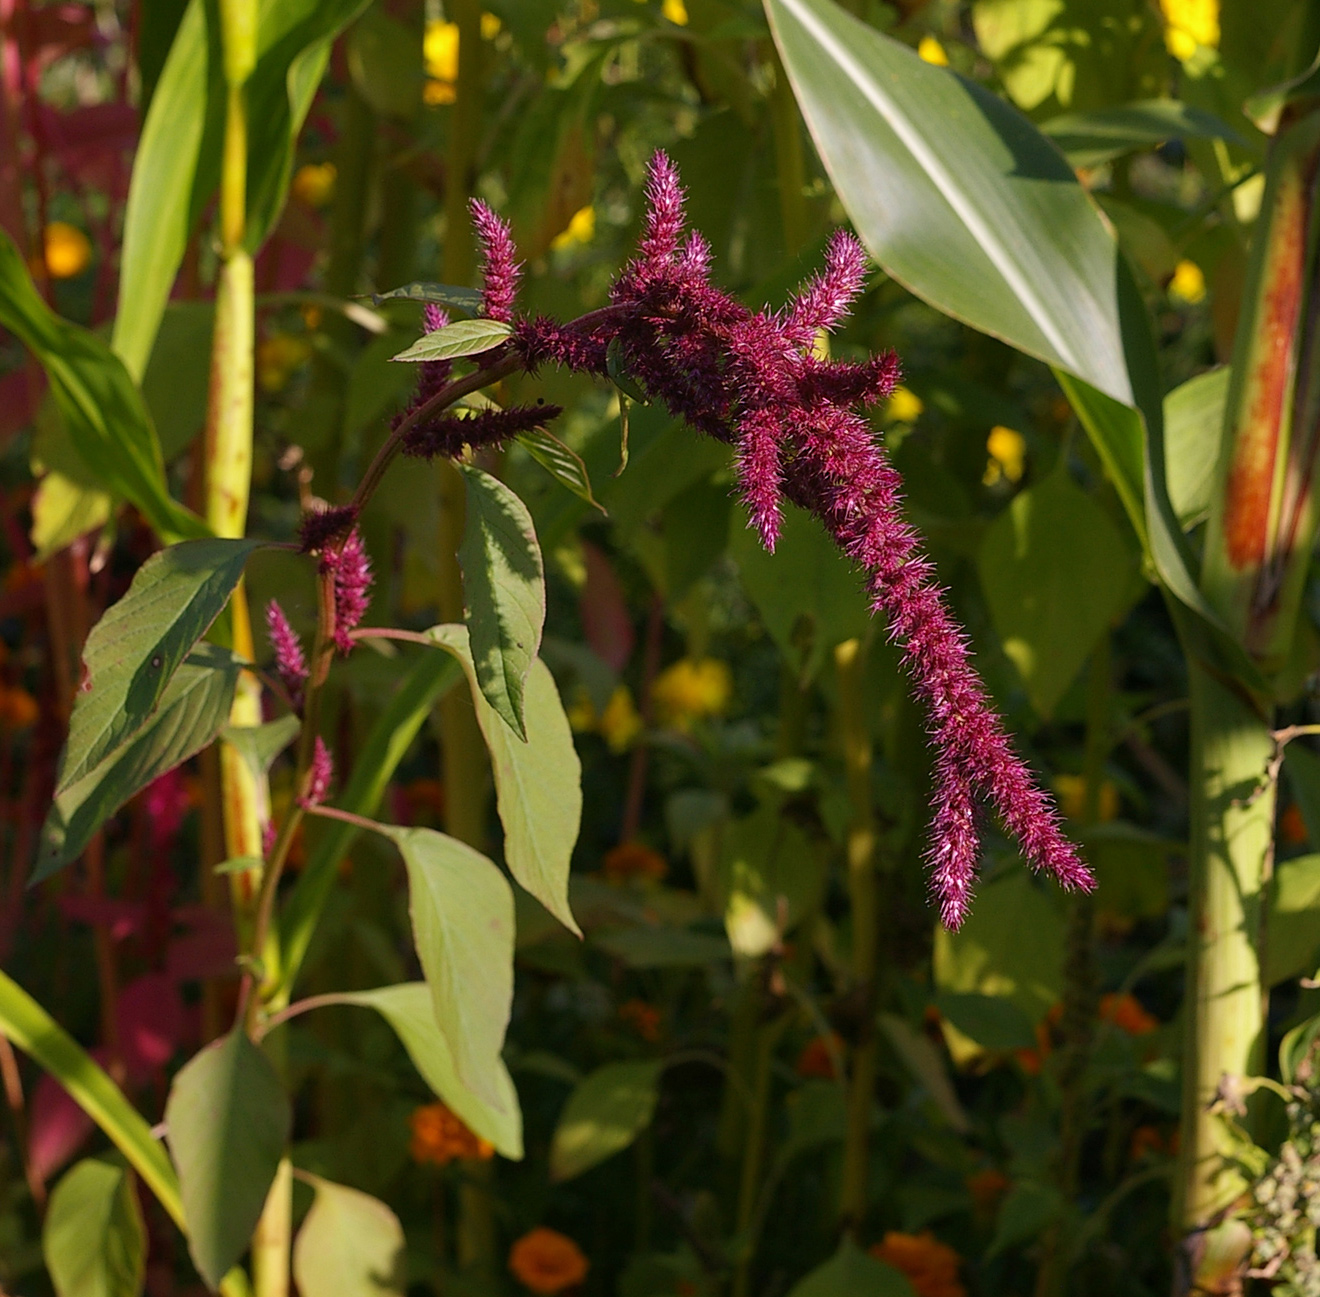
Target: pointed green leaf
x=978, y=213
x=1293, y=948
x=94, y=1238
x=461, y=299
x=1193, y=423
x=538, y=783
x=604, y=1114
x=1088, y=139
x=259, y=745
x=189, y=716
x=462, y=338
x=562, y=463
x=228, y=1120
x=350, y=1245
x=850, y=1272
x=409, y=1010
x=503, y=591
x=133, y=652
x=463, y=926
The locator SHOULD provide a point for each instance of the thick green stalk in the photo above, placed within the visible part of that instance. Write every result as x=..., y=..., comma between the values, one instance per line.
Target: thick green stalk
x=790, y=165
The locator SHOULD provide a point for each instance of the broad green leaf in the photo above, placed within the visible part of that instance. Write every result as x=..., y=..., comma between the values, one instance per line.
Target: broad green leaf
x=1292, y=946
x=190, y=714
x=228, y=1120
x=94, y=1239
x=1056, y=574
x=70, y=500
x=177, y=379
x=807, y=593
x=538, y=783
x=385, y=61
x=450, y=295
x=1024, y=1214
x=259, y=745
x=927, y=1066
x=462, y=338
x=562, y=463
x=604, y=1114
x=423, y=685
x=990, y=1020
x=349, y=1245
x=1193, y=424
x=978, y=214
x=503, y=591
x=850, y=1272
x=463, y=926
x=104, y=415
x=1090, y=138
x=660, y=946
x=409, y=1010
x=133, y=652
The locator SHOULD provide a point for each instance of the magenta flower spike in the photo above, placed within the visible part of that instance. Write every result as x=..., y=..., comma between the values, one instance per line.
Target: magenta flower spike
x=290, y=664
x=351, y=570
x=499, y=268
x=320, y=774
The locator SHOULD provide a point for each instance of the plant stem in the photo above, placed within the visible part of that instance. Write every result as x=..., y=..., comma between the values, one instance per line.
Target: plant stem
x=270, y=1242
x=790, y=167
x=863, y=895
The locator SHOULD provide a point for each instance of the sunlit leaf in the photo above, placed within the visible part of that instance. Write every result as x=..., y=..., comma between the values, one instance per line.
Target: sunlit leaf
x=604, y=1114
x=94, y=1238
x=462, y=338
x=460, y=299
x=562, y=463
x=349, y=1245
x=850, y=1272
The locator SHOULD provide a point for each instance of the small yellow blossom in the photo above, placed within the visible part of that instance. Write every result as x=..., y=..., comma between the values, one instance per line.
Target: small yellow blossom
x=440, y=50
x=581, y=229
x=277, y=357
x=581, y=713
x=932, y=51
x=1190, y=25
x=620, y=723
x=691, y=690
x=435, y=93
x=1071, y=792
x=1008, y=455
x=490, y=27
x=68, y=250
x=314, y=183
x=904, y=406
x=1188, y=283
x=676, y=12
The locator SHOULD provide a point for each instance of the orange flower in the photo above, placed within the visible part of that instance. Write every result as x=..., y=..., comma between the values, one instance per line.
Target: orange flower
x=643, y=1018
x=815, y=1060
x=440, y=1137
x=1146, y=1142
x=987, y=1187
x=1127, y=1014
x=18, y=709
x=931, y=1266
x=631, y=860
x=547, y=1261
x=1032, y=1060
x=425, y=799
x=1292, y=828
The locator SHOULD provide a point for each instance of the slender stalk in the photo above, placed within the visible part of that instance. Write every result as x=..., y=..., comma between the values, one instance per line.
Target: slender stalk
x=863, y=895
x=790, y=165
x=270, y=1242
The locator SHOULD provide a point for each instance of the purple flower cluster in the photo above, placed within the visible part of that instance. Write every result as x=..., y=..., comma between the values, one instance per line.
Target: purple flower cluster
x=320, y=774
x=751, y=380
x=350, y=569
x=290, y=664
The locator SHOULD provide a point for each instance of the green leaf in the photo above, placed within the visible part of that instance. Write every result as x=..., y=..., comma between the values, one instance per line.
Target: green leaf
x=259, y=745
x=69, y=500
x=104, y=415
x=385, y=61
x=659, y=946
x=979, y=214
x=94, y=1239
x=1024, y=1214
x=1302, y=767
x=462, y=338
x=807, y=593
x=503, y=591
x=850, y=1272
x=429, y=678
x=1088, y=139
x=927, y=1066
x=618, y=373
x=605, y=1113
x=1056, y=574
x=228, y=1121
x=350, y=1245
x=1293, y=930
x=177, y=380
x=1193, y=422
x=190, y=714
x=409, y=1010
x=133, y=652
x=991, y=1021
x=562, y=463
x=463, y=925
x=538, y=782
x=450, y=295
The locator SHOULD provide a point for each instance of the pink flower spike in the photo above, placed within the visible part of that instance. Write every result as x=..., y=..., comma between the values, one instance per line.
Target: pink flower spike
x=320, y=774
x=499, y=268
x=664, y=215
x=758, y=475
x=289, y=660
x=826, y=299
x=351, y=570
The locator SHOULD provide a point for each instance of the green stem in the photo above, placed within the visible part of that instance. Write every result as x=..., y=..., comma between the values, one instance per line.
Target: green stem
x=790, y=165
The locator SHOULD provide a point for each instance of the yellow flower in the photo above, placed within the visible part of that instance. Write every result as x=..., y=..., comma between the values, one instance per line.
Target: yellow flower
x=490, y=27
x=581, y=229
x=314, y=183
x=1189, y=25
x=620, y=723
x=547, y=1262
x=904, y=406
x=581, y=713
x=68, y=251
x=1071, y=792
x=931, y=1267
x=676, y=12
x=691, y=690
x=439, y=92
x=277, y=357
x=440, y=50
x=1008, y=455
x=1188, y=283
x=932, y=52
x=438, y=1136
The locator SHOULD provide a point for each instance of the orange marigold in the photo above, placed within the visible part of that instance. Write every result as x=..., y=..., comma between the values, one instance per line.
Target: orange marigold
x=1292, y=827
x=630, y=860
x=1146, y=1141
x=817, y=1058
x=931, y=1266
x=439, y=1136
x=18, y=709
x=547, y=1261
x=643, y=1018
x=987, y=1187
x=1128, y=1014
